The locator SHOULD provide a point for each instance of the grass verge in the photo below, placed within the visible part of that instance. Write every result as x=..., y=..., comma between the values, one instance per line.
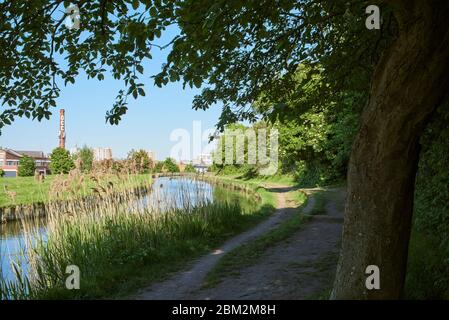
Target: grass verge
x=27, y=190
x=247, y=254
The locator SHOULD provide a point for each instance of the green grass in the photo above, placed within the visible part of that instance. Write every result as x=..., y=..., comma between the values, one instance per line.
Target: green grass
x=283, y=179
x=322, y=197
x=119, y=252
x=320, y=202
x=287, y=180
x=249, y=253
x=27, y=188
x=296, y=198
x=29, y=191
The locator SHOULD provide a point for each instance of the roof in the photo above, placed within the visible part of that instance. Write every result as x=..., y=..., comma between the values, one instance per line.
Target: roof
x=12, y=152
x=32, y=154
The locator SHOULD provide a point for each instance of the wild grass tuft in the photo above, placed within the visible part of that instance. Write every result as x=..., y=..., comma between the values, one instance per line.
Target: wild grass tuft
x=122, y=241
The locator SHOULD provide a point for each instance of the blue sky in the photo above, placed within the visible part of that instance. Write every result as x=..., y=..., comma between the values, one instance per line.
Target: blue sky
x=147, y=125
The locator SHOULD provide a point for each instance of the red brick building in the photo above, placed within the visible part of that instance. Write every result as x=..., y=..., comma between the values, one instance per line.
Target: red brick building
x=10, y=159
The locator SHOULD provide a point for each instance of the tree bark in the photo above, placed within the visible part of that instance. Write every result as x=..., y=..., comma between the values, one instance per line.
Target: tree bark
x=410, y=81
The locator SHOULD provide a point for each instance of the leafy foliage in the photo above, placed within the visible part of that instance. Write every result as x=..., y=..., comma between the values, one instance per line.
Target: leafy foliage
x=158, y=167
x=86, y=158
x=239, y=48
x=141, y=161
x=315, y=137
x=26, y=166
x=431, y=216
x=189, y=168
x=2, y=173
x=61, y=161
x=170, y=165
x=432, y=186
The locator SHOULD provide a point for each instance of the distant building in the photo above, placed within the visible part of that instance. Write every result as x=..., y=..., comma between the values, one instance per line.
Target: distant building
x=202, y=162
x=204, y=159
x=151, y=155
x=101, y=154
x=10, y=159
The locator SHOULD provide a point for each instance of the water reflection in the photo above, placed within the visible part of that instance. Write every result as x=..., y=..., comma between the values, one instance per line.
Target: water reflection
x=165, y=195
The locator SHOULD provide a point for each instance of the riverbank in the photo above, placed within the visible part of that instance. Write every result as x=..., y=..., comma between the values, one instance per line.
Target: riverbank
x=25, y=198
x=117, y=252
x=264, y=262
x=27, y=191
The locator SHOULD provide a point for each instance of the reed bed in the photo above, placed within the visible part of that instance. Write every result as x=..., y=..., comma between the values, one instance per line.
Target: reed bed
x=123, y=240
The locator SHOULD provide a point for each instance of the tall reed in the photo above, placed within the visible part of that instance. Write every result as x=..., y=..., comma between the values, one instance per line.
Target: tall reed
x=119, y=239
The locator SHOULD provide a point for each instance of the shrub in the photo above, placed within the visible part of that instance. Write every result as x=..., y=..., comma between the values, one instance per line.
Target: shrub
x=170, y=165
x=189, y=168
x=428, y=271
x=61, y=162
x=26, y=167
x=158, y=167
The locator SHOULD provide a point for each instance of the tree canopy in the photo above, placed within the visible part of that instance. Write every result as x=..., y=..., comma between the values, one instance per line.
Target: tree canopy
x=140, y=160
x=235, y=50
x=84, y=159
x=61, y=161
x=170, y=165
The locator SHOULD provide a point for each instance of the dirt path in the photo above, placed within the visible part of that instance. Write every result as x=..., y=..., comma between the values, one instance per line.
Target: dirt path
x=294, y=269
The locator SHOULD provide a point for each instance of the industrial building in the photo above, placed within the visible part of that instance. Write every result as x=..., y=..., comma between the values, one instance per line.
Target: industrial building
x=202, y=162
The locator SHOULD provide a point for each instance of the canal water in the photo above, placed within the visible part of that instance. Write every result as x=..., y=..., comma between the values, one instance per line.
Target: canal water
x=167, y=193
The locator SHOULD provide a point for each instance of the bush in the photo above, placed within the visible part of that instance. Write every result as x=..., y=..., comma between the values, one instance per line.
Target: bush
x=170, y=165
x=158, y=167
x=26, y=167
x=189, y=168
x=61, y=162
x=2, y=173
x=428, y=266
x=427, y=269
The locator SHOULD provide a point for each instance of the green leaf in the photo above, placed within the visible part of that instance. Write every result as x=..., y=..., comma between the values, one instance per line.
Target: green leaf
x=153, y=11
x=135, y=4
x=197, y=82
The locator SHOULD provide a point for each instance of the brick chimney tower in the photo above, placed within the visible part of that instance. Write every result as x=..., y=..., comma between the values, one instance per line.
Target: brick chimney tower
x=62, y=128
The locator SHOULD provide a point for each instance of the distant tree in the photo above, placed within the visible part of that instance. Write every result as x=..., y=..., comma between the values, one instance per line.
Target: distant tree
x=189, y=168
x=26, y=167
x=61, y=161
x=86, y=158
x=158, y=167
x=141, y=160
x=117, y=166
x=170, y=165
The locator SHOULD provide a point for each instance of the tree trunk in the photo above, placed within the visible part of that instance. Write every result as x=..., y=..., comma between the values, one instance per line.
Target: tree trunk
x=410, y=81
